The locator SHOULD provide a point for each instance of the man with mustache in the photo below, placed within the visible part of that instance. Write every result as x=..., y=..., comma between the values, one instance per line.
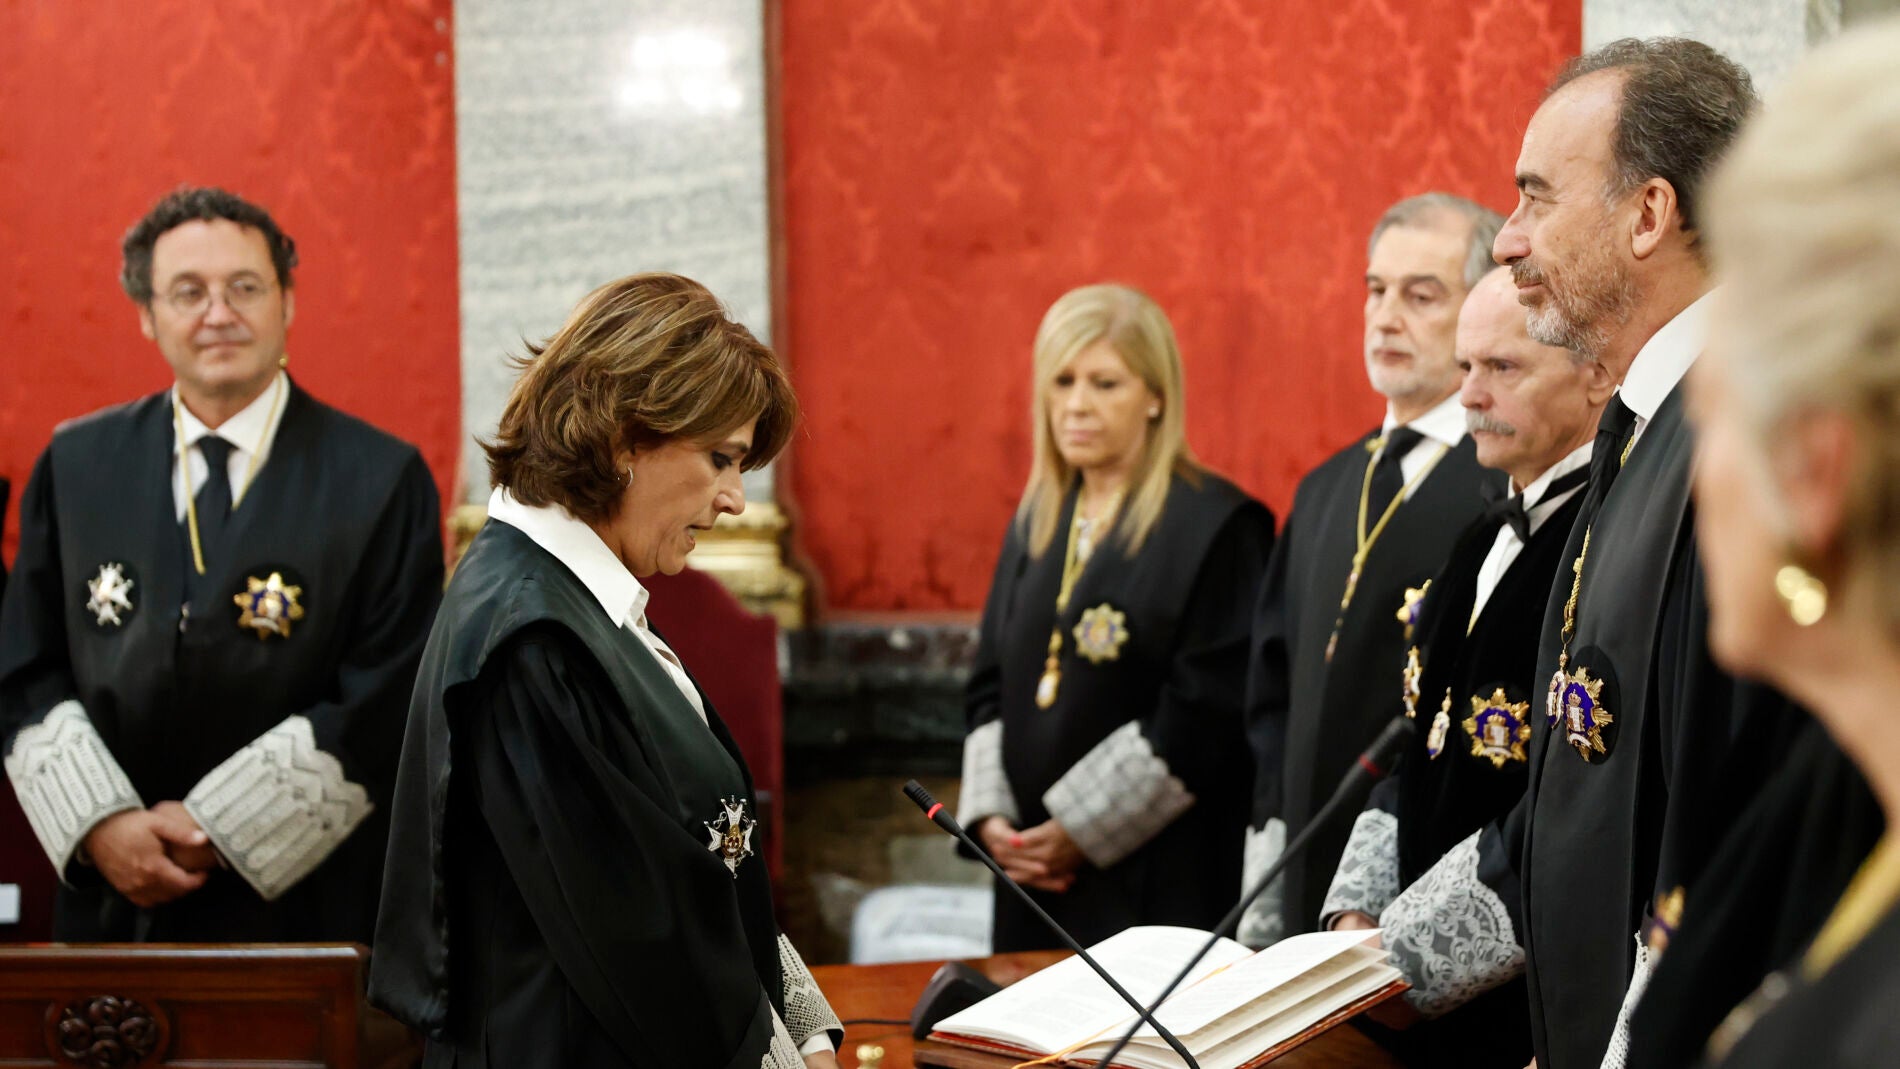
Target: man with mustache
x=213, y=625
x=1468, y=678
x=1369, y=523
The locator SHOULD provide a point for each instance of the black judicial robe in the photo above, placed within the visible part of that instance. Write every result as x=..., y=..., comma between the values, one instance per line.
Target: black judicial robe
x=1186, y=596
x=1601, y=840
x=341, y=509
x=1441, y=797
x=1845, y=1019
x=1764, y=893
x=551, y=897
x=1308, y=719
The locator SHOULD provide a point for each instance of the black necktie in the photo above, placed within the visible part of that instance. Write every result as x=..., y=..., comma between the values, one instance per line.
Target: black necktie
x=1388, y=479
x=1510, y=508
x=1614, y=429
x=214, y=497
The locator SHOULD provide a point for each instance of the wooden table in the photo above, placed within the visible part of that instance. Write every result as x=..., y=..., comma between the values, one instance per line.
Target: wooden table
x=889, y=992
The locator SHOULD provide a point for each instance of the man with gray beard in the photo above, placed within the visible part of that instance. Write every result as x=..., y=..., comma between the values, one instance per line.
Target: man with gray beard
x=1642, y=752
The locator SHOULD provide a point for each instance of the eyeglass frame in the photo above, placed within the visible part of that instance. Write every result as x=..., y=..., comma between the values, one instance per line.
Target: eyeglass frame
x=236, y=300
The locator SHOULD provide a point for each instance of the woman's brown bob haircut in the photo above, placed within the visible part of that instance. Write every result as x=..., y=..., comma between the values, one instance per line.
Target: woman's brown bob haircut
x=643, y=360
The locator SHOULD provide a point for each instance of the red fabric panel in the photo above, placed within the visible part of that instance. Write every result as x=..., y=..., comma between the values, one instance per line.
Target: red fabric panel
x=950, y=169
x=733, y=653
x=336, y=115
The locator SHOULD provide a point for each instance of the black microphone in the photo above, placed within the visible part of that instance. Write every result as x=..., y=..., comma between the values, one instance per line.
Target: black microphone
x=1373, y=765
x=935, y=811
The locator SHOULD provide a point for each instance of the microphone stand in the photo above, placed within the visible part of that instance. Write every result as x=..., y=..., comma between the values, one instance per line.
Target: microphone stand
x=934, y=810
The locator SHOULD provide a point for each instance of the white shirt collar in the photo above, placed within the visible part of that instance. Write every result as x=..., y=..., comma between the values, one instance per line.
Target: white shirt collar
x=1444, y=423
x=575, y=545
x=1665, y=358
x=1541, y=511
x=251, y=430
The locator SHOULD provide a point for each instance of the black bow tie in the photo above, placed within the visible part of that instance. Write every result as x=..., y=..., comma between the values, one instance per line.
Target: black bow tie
x=1510, y=508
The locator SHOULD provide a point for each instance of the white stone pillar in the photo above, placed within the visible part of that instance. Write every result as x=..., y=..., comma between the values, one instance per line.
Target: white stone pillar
x=595, y=139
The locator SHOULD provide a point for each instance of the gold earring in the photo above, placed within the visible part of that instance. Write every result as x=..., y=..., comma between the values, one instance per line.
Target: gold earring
x=1804, y=596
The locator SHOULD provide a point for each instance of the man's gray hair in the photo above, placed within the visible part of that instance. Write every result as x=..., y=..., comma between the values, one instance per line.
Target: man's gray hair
x=1427, y=209
x=1683, y=104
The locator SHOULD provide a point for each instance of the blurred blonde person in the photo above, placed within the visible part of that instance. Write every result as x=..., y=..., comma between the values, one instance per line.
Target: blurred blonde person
x=1798, y=495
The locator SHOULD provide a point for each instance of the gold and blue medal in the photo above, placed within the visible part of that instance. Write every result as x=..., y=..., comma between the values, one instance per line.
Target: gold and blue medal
x=1575, y=700
x=1101, y=633
x=1499, y=728
x=269, y=606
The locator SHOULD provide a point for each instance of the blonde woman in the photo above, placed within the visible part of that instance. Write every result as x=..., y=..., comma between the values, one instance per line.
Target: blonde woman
x=1798, y=516
x=1106, y=767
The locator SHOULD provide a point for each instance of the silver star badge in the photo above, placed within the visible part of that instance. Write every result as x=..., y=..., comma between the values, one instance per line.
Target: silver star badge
x=731, y=834
x=111, y=595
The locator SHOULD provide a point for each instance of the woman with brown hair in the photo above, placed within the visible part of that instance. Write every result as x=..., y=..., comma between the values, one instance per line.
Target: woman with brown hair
x=571, y=876
x=1107, y=767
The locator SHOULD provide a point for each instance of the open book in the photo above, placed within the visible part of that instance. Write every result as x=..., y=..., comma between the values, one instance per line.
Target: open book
x=1239, y=1008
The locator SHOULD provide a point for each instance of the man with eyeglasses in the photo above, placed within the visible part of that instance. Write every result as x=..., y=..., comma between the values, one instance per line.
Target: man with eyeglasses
x=220, y=598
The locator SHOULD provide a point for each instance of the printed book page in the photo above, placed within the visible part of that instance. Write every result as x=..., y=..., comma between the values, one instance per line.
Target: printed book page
x=1067, y=1003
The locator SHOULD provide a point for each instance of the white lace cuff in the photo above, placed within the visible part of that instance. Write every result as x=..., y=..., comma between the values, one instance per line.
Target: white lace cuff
x=1618, y=1052
x=1367, y=879
x=985, y=790
x=1263, y=924
x=278, y=807
x=1117, y=797
x=1450, y=934
x=781, y=1053
x=808, y=1016
x=67, y=780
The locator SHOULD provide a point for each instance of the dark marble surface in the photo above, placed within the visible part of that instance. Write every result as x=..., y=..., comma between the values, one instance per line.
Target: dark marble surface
x=868, y=699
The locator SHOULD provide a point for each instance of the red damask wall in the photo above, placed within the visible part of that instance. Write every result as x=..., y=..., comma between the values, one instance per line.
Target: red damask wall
x=336, y=115
x=950, y=169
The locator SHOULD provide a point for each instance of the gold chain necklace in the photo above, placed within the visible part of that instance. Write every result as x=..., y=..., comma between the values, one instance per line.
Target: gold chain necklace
x=1579, y=688
x=184, y=469
x=1072, y=564
x=1367, y=539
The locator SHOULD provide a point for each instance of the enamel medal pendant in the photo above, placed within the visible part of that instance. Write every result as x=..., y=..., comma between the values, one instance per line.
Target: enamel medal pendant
x=731, y=834
x=1499, y=728
x=111, y=595
x=268, y=606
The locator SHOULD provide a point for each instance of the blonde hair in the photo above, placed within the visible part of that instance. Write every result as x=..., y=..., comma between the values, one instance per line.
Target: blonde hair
x=641, y=360
x=1804, y=226
x=1139, y=332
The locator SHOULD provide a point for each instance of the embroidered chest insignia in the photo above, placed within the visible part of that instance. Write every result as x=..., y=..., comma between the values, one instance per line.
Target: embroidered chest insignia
x=1499, y=728
x=1408, y=608
x=1441, y=725
x=111, y=600
x=1576, y=706
x=269, y=606
x=1101, y=633
x=731, y=834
